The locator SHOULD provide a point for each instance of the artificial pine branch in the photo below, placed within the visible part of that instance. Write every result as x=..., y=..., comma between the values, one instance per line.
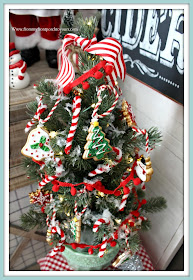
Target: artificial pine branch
x=32, y=218
x=154, y=204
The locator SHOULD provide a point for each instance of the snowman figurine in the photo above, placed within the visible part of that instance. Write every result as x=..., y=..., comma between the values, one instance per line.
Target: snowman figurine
x=18, y=77
x=143, y=169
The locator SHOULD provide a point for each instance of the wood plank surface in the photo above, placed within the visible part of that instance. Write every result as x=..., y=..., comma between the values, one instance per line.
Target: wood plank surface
x=18, y=100
x=153, y=109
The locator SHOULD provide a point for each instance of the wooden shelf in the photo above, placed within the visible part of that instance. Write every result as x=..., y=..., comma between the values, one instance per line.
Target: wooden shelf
x=18, y=100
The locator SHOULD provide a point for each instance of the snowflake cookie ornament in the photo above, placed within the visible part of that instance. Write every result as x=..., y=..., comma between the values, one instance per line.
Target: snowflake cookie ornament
x=38, y=146
x=18, y=77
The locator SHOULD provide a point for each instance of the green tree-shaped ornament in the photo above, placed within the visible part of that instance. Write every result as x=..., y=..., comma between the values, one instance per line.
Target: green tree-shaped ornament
x=97, y=145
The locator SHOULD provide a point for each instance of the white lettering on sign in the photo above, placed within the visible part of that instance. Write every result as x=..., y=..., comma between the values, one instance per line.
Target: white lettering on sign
x=150, y=43
x=150, y=46
x=175, y=40
x=128, y=41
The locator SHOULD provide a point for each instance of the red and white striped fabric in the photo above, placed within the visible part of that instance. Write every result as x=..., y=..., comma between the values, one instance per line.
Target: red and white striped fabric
x=75, y=116
x=59, y=263
x=109, y=48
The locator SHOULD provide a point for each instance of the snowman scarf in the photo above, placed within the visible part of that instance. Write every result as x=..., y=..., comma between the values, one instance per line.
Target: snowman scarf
x=22, y=68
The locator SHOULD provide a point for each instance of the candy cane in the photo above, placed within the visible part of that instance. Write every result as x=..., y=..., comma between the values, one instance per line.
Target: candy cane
x=103, y=247
x=76, y=112
x=47, y=180
x=41, y=108
x=100, y=222
x=78, y=215
x=144, y=132
x=123, y=202
x=102, y=88
x=107, y=167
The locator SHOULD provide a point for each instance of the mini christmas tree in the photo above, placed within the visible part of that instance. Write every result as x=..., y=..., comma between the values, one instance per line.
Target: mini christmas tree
x=96, y=185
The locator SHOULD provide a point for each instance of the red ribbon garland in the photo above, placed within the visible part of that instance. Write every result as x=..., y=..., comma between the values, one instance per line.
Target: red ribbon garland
x=98, y=185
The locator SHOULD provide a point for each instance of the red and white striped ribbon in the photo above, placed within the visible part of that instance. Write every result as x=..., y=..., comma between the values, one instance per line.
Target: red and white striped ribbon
x=144, y=132
x=79, y=214
x=109, y=48
x=107, y=167
x=102, y=88
x=66, y=73
x=100, y=222
x=76, y=112
x=103, y=247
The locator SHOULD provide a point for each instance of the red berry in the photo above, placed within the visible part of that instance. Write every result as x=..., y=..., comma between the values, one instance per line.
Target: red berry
x=40, y=144
x=98, y=75
x=74, y=246
x=62, y=249
x=43, y=209
x=113, y=243
x=55, y=188
x=85, y=85
x=90, y=251
x=73, y=191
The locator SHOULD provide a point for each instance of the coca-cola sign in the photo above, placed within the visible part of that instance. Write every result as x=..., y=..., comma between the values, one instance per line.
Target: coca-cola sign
x=153, y=46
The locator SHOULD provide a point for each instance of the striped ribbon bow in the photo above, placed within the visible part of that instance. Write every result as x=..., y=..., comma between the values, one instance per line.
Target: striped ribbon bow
x=109, y=48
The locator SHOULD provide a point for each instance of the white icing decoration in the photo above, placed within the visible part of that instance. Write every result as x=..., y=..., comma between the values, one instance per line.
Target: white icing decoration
x=33, y=138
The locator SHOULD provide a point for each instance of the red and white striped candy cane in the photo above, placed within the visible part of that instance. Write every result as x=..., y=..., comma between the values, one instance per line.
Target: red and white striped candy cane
x=100, y=222
x=123, y=202
x=52, y=111
x=78, y=215
x=76, y=112
x=103, y=247
x=46, y=180
x=41, y=108
x=144, y=132
x=49, y=179
x=102, y=88
x=107, y=167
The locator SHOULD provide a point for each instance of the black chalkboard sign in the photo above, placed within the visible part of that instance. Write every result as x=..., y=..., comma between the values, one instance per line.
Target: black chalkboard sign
x=153, y=44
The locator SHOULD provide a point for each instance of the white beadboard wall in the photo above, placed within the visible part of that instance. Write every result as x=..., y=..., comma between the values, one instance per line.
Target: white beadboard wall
x=154, y=109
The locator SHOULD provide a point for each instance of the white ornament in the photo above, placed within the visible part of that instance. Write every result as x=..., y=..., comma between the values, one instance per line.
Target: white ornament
x=18, y=77
x=141, y=169
x=38, y=145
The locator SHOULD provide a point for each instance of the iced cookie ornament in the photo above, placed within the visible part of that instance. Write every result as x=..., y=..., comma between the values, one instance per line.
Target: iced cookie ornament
x=18, y=77
x=37, y=146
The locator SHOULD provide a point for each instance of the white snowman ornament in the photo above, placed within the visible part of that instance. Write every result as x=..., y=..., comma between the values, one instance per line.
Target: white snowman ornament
x=143, y=169
x=18, y=77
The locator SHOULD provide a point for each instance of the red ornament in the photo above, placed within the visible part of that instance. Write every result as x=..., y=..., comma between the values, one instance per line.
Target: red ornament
x=43, y=209
x=90, y=251
x=113, y=243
